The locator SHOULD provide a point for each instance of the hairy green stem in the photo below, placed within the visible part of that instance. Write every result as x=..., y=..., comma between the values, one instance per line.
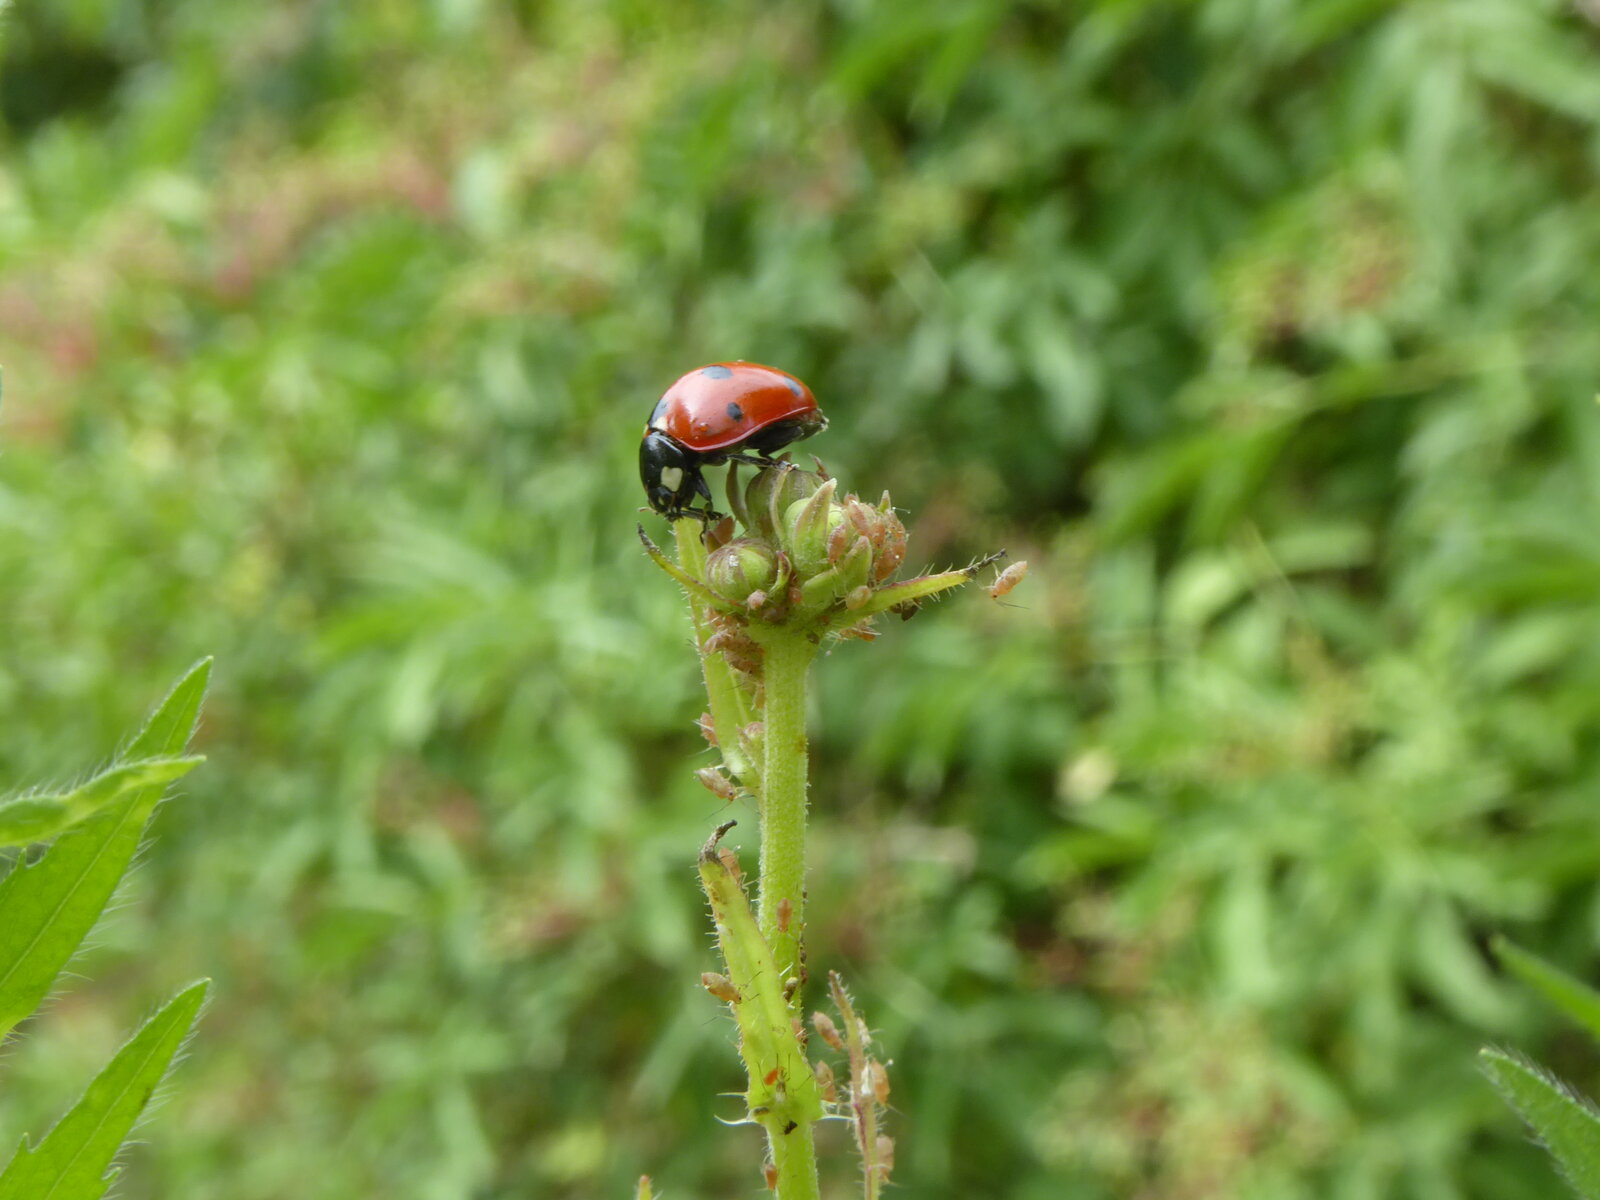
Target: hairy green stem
x=787, y=659
x=730, y=712
x=795, y=1157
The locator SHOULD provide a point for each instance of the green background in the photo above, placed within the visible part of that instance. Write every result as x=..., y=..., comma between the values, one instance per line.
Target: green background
x=1267, y=331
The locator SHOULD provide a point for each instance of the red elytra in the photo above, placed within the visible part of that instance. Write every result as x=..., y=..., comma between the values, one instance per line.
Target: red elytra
x=714, y=413
x=724, y=404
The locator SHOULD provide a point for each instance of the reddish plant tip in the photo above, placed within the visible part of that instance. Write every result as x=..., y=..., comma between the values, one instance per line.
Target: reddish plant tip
x=711, y=851
x=718, y=534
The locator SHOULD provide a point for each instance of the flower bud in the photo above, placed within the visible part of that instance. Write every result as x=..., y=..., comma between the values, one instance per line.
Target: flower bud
x=807, y=525
x=820, y=591
x=770, y=494
x=740, y=568
x=855, y=567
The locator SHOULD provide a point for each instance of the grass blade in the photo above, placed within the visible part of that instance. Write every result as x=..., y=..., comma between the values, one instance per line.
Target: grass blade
x=1568, y=1125
x=73, y=1162
x=1571, y=996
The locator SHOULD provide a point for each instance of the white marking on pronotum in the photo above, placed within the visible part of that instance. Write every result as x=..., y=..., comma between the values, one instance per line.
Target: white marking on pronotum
x=672, y=478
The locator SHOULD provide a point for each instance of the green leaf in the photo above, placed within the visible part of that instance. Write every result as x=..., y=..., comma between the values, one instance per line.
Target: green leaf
x=172, y=724
x=1571, y=996
x=47, y=907
x=1568, y=1124
x=73, y=1161
x=34, y=818
x=781, y=1081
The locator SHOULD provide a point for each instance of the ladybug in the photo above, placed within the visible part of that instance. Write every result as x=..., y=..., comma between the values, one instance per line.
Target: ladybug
x=713, y=415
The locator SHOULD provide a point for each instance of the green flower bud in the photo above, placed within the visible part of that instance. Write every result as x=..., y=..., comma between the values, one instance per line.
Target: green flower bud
x=818, y=592
x=740, y=568
x=806, y=527
x=839, y=581
x=770, y=494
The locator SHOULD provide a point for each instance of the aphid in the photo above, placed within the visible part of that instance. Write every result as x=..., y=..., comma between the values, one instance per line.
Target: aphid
x=717, y=784
x=827, y=1030
x=877, y=1081
x=1008, y=579
x=825, y=1082
x=720, y=986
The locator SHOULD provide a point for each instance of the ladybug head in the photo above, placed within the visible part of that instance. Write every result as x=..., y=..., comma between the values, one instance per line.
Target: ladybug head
x=671, y=474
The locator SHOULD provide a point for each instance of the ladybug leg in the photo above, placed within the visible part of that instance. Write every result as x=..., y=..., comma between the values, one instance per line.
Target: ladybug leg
x=750, y=460
x=708, y=515
x=703, y=489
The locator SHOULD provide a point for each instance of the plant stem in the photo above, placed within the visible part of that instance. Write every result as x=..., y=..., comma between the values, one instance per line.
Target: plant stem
x=729, y=711
x=795, y=1156
x=787, y=659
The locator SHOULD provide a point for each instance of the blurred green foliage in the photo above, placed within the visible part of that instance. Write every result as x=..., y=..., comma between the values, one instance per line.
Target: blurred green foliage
x=1265, y=329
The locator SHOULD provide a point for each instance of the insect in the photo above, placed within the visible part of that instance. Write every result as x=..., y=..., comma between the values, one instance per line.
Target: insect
x=715, y=414
x=1008, y=579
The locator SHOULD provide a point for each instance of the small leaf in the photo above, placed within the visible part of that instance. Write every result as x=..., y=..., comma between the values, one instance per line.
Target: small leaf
x=1571, y=996
x=73, y=1161
x=172, y=724
x=35, y=818
x=1568, y=1125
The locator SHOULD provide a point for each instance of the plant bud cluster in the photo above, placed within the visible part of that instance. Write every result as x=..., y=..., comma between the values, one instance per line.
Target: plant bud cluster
x=806, y=555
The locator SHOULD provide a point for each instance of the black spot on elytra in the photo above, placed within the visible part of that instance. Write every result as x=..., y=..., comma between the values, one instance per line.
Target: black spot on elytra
x=659, y=411
x=735, y=413
x=716, y=372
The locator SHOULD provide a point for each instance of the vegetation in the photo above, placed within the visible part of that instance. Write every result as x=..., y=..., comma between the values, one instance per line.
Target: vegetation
x=48, y=904
x=1567, y=1123
x=795, y=569
x=1265, y=331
